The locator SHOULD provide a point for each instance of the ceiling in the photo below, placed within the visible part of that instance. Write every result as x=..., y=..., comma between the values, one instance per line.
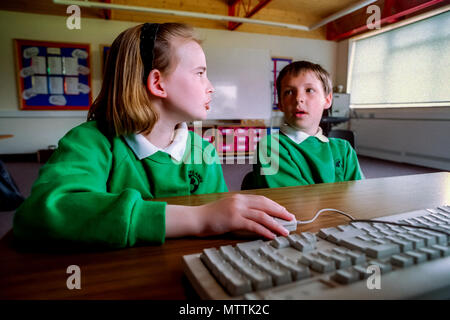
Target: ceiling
x=298, y=12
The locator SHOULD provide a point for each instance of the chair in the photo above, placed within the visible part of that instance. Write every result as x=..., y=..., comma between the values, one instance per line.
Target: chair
x=343, y=134
x=246, y=182
x=10, y=196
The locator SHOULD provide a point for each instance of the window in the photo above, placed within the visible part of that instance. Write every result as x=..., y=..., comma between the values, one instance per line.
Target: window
x=403, y=67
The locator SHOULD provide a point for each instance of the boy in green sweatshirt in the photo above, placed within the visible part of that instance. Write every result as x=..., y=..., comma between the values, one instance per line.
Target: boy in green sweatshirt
x=301, y=154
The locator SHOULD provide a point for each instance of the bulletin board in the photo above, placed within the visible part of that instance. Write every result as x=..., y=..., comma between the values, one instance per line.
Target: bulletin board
x=53, y=75
x=277, y=65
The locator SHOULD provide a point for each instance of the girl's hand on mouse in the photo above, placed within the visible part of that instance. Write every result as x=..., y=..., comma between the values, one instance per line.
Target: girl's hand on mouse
x=243, y=212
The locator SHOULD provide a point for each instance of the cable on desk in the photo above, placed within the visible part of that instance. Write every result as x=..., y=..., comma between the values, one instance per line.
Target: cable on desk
x=372, y=221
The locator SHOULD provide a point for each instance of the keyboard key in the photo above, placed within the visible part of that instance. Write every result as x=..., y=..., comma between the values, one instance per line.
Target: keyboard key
x=383, y=250
x=323, y=265
x=418, y=257
x=443, y=250
x=429, y=239
x=338, y=237
x=445, y=209
x=384, y=267
x=402, y=260
x=307, y=259
x=310, y=237
x=346, y=276
x=431, y=253
x=259, y=279
x=362, y=271
x=424, y=222
x=325, y=232
x=441, y=218
x=233, y=281
x=280, y=242
x=298, y=272
x=356, y=257
x=363, y=226
x=441, y=238
x=383, y=229
x=357, y=244
x=376, y=234
x=365, y=238
x=279, y=275
x=397, y=229
x=432, y=219
x=211, y=258
x=417, y=242
x=248, y=246
x=404, y=244
x=341, y=261
x=300, y=243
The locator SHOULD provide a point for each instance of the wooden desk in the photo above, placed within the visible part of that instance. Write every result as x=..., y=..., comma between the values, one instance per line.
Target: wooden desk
x=155, y=272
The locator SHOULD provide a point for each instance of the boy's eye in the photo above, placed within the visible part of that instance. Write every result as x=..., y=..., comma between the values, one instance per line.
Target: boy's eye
x=310, y=90
x=288, y=92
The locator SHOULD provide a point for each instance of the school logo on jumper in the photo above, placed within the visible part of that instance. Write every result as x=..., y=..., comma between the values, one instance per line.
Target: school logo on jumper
x=338, y=164
x=194, y=180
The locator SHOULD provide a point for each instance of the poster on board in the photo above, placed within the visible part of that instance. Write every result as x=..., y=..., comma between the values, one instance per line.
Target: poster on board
x=53, y=75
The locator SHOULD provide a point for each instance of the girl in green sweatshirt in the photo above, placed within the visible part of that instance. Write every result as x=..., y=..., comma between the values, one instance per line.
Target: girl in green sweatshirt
x=135, y=147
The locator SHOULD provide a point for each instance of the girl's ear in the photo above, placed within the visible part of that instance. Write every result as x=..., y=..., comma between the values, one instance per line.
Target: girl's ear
x=328, y=101
x=155, y=84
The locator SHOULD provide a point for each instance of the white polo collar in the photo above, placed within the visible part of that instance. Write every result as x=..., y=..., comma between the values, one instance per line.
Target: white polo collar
x=299, y=136
x=143, y=148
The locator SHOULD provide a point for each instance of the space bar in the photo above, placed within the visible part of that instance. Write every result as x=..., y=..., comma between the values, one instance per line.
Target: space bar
x=427, y=280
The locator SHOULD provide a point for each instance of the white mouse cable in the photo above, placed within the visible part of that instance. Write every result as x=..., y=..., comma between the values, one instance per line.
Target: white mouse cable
x=323, y=210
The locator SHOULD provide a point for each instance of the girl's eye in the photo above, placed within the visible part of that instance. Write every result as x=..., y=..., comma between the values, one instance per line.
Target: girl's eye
x=201, y=73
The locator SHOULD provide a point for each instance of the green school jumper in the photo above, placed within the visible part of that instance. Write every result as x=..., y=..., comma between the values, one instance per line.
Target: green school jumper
x=309, y=162
x=92, y=190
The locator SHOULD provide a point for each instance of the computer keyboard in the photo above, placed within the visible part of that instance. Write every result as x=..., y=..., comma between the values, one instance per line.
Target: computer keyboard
x=360, y=260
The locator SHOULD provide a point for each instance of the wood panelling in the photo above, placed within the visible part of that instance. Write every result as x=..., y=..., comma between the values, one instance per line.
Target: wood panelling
x=46, y=7
x=301, y=12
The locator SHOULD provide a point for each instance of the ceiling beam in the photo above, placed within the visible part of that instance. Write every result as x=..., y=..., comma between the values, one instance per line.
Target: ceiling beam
x=232, y=11
x=339, y=30
x=111, y=6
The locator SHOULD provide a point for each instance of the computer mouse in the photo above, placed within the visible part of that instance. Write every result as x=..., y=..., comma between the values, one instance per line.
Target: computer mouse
x=288, y=225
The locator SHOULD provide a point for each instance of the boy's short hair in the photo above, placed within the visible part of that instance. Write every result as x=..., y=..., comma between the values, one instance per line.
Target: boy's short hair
x=298, y=67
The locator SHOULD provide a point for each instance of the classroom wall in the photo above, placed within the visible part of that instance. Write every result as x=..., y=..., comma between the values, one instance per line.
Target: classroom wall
x=34, y=130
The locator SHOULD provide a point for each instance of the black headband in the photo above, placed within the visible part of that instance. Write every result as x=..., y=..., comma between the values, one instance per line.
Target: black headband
x=148, y=38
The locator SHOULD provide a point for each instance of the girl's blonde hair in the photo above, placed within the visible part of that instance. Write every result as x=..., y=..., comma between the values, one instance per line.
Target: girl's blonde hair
x=123, y=106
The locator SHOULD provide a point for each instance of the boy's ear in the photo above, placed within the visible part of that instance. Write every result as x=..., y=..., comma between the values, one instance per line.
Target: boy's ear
x=328, y=101
x=280, y=105
x=155, y=84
